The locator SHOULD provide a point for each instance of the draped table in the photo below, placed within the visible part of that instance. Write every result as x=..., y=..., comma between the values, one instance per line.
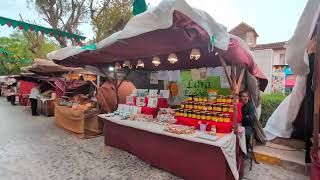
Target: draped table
x=187, y=156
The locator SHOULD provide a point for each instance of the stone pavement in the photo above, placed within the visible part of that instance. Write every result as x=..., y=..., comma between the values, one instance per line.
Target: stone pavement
x=34, y=148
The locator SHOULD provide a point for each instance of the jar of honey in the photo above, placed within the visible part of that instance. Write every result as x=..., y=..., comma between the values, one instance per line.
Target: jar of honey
x=209, y=107
x=194, y=115
x=214, y=117
x=226, y=118
x=219, y=99
x=203, y=116
x=177, y=112
x=229, y=99
x=205, y=99
x=191, y=105
x=223, y=99
x=200, y=106
x=230, y=109
x=195, y=105
x=208, y=116
x=189, y=98
x=190, y=114
x=219, y=108
x=182, y=105
x=185, y=113
x=198, y=115
x=204, y=106
x=220, y=118
x=196, y=99
x=200, y=99
x=225, y=108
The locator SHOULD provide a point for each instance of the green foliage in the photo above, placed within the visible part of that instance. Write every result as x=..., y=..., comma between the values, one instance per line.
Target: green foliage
x=111, y=18
x=21, y=47
x=269, y=104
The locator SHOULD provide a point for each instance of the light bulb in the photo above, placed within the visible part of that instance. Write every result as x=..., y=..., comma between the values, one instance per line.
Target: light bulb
x=172, y=58
x=111, y=68
x=140, y=64
x=195, y=54
x=156, y=61
x=127, y=64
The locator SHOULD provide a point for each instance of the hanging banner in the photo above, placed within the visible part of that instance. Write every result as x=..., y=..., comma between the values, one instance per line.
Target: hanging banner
x=189, y=87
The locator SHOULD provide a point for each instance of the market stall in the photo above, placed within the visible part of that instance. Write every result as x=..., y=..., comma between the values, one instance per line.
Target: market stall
x=173, y=37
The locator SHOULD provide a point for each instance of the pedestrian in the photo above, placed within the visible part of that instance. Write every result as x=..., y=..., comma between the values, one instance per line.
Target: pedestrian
x=248, y=116
x=13, y=91
x=33, y=97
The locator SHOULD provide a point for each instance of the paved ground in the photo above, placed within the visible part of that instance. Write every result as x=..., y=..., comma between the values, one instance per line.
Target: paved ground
x=34, y=148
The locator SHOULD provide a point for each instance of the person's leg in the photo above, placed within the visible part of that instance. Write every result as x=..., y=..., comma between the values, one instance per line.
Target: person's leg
x=33, y=106
x=13, y=100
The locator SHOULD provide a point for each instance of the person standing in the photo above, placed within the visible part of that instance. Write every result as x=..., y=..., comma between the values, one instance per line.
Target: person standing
x=248, y=115
x=33, y=97
x=13, y=91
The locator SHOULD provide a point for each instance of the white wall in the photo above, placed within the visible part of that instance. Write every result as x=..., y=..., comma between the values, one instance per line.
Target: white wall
x=276, y=56
x=264, y=60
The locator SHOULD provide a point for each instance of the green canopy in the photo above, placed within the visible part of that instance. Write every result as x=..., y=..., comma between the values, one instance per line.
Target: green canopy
x=31, y=27
x=139, y=6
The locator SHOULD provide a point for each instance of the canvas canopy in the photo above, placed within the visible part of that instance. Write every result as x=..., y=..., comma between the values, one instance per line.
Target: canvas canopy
x=46, y=67
x=171, y=27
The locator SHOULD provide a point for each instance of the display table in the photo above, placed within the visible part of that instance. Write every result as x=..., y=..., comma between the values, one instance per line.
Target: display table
x=46, y=107
x=186, y=156
x=83, y=123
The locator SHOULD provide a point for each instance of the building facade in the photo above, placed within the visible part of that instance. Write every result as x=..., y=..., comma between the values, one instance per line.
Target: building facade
x=270, y=58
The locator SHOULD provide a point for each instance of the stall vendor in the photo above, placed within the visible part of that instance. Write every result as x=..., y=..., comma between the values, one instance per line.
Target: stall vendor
x=33, y=97
x=248, y=115
x=13, y=91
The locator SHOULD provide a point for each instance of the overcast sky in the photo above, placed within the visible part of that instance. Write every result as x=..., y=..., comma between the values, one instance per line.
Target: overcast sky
x=274, y=20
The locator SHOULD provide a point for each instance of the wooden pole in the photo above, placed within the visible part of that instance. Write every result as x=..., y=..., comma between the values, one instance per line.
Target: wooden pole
x=116, y=84
x=234, y=93
x=316, y=87
x=223, y=63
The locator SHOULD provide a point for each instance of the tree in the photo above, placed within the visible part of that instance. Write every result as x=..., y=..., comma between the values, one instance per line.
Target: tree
x=19, y=48
x=65, y=15
x=109, y=16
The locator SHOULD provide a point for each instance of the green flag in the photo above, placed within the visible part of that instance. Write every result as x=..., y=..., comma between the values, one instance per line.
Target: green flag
x=139, y=6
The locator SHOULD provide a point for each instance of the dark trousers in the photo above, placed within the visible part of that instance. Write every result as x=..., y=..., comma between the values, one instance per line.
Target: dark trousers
x=13, y=99
x=34, y=104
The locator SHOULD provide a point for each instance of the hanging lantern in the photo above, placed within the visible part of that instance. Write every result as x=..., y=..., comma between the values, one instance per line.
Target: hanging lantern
x=127, y=64
x=172, y=58
x=117, y=66
x=140, y=64
x=20, y=27
x=195, y=54
x=156, y=61
x=8, y=24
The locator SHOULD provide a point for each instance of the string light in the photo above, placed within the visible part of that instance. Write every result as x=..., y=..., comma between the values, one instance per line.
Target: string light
x=156, y=61
x=195, y=54
x=172, y=58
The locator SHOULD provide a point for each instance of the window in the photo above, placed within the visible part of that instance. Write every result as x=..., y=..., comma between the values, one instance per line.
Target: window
x=282, y=59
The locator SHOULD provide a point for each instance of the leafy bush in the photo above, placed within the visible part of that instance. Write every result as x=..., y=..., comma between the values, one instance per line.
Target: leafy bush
x=270, y=102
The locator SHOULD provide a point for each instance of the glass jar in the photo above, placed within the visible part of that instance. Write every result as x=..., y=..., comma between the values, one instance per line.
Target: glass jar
x=185, y=114
x=200, y=99
x=220, y=117
x=219, y=99
x=194, y=115
x=205, y=99
x=214, y=117
x=219, y=108
x=229, y=99
x=230, y=109
x=191, y=105
x=189, y=114
x=189, y=98
x=182, y=105
x=227, y=118
x=198, y=115
x=209, y=107
x=223, y=99
x=225, y=108
x=204, y=107
x=196, y=99
x=203, y=116
x=208, y=116
x=177, y=112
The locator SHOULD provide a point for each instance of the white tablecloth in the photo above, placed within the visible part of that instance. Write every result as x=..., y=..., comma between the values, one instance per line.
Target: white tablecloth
x=227, y=143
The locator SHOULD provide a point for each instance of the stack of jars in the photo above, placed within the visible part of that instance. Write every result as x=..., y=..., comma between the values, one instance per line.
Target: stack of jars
x=199, y=108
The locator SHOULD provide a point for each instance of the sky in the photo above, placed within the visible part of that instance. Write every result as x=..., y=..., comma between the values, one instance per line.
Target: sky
x=273, y=20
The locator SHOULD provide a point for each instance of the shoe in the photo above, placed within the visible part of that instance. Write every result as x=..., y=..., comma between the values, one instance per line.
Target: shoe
x=35, y=114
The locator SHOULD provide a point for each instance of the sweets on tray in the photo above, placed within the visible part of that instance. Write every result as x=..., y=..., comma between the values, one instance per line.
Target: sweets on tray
x=179, y=129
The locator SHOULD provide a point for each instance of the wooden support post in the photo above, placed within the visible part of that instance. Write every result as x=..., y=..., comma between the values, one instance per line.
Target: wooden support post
x=240, y=81
x=316, y=87
x=124, y=78
x=234, y=93
x=223, y=63
x=116, y=84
